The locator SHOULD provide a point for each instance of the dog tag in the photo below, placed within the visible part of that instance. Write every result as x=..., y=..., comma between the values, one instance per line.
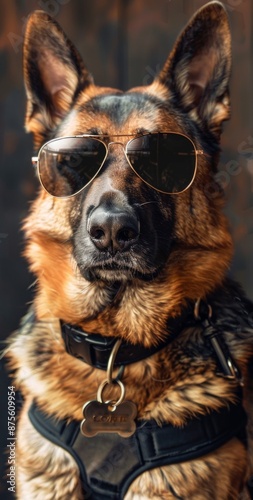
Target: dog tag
x=109, y=417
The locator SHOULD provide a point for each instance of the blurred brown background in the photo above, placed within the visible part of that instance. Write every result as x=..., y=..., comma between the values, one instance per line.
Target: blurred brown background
x=124, y=43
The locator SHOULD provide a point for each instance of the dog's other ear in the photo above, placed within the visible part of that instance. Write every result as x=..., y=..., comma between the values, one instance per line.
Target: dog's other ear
x=198, y=69
x=54, y=74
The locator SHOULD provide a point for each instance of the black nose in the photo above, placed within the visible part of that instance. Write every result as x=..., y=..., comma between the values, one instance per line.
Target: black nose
x=112, y=229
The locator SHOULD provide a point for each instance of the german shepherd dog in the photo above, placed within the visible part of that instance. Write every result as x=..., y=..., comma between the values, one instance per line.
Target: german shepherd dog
x=135, y=333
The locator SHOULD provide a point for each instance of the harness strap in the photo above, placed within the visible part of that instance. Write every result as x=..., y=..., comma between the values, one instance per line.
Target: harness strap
x=151, y=446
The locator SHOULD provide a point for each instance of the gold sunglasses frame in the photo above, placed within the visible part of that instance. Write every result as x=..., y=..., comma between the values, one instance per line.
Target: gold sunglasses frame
x=36, y=159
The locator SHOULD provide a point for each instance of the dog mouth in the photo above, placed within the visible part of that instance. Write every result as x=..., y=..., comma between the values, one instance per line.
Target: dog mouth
x=111, y=270
x=117, y=275
x=142, y=262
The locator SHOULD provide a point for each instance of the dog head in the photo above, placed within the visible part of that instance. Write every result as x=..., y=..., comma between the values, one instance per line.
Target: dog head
x=120, y=255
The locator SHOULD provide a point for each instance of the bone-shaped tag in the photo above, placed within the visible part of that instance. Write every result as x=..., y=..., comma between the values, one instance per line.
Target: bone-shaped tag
x=106, y=417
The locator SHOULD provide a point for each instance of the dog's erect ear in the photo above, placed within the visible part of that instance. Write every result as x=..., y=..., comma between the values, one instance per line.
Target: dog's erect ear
x=198, y=69
x=54, y=74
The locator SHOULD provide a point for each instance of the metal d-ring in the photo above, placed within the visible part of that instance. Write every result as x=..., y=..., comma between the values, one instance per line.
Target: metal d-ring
x=113, y=402
x=111, y=361
x=197, y=308
x=110, y=379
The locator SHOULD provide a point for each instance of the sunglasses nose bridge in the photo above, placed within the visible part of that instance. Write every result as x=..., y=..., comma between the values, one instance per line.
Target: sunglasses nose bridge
x=117, y=143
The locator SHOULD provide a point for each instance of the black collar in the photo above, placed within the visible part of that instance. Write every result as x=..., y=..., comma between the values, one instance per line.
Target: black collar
x=95, y=349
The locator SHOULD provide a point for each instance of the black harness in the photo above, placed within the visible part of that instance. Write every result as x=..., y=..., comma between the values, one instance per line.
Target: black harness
x=121, y=460
x=109, y=463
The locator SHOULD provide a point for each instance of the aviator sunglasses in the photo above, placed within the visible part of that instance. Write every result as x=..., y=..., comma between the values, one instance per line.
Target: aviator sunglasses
x=167, y=162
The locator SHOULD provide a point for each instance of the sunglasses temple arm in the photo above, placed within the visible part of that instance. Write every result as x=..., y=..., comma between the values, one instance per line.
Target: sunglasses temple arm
x=35, y=161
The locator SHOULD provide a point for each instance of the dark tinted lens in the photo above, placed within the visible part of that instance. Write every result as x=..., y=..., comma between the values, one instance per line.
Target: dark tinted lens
x=66, y=165
x=165, y=161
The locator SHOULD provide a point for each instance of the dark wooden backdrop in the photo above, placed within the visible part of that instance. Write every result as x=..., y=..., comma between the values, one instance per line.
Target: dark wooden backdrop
x=124, y=43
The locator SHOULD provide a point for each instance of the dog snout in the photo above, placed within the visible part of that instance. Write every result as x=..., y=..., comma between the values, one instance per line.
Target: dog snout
x=112, y=228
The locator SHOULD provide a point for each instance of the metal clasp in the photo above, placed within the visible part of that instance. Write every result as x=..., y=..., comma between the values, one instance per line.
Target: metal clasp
x=218, y=344
x=110, y=380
